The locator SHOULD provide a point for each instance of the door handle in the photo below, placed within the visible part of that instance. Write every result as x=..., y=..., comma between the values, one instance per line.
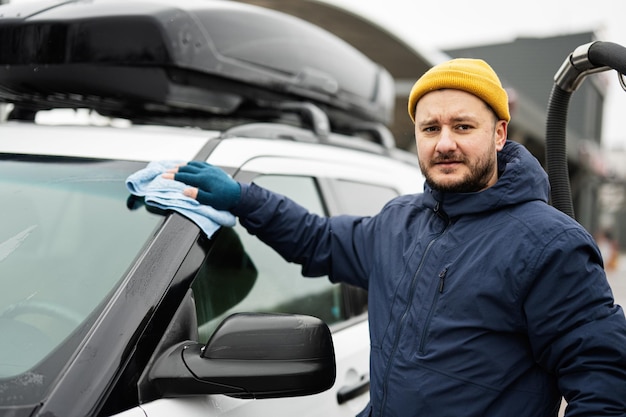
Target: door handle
x=349, y=392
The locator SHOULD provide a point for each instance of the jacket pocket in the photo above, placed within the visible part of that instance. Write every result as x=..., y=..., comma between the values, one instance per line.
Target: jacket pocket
x=439, y=288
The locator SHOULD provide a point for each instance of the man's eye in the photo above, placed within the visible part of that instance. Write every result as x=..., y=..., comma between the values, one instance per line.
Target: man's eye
x=430, y=129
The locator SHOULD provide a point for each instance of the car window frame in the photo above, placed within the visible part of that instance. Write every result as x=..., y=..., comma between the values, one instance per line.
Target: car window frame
x=354, y=299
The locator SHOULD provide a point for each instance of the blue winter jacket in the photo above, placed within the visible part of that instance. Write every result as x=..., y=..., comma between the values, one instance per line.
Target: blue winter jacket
x=482, y=304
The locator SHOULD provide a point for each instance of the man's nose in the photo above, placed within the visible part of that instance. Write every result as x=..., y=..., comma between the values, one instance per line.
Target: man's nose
x=446, y=142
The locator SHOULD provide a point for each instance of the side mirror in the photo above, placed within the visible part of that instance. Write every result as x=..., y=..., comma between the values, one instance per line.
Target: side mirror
x=251, y=356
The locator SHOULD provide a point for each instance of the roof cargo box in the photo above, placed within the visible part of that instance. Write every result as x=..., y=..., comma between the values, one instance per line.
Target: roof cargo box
x=213, y=57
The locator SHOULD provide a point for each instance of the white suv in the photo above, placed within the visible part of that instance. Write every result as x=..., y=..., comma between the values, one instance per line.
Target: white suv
x=113, y=307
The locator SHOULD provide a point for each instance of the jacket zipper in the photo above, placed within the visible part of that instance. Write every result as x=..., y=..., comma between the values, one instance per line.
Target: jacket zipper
x=442, y=277
x=441, y=214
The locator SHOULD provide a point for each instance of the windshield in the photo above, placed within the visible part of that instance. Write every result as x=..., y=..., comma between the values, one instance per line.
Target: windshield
x=68, y=234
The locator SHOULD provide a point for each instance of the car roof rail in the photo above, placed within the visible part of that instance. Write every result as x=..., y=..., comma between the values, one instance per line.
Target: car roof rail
x=281, y=131
x=269, y=130
x=316, y=128
x=380, y=133
x=315, y=117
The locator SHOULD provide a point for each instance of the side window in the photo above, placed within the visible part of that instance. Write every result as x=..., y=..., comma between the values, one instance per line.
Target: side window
x=243, y=274
x=361, y=199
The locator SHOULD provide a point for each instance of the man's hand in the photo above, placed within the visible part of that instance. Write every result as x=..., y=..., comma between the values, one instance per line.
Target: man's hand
x=210, y=185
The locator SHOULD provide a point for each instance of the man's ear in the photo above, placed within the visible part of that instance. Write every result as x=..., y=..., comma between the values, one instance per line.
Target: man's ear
x=500, y=134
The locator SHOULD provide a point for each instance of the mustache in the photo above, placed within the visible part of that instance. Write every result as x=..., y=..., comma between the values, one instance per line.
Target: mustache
x=447, y=157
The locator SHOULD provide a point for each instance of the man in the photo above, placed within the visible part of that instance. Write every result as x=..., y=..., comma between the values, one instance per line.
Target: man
x=483, y=299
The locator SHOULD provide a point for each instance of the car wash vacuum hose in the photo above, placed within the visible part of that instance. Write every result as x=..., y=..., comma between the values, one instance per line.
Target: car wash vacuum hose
x=586, y=59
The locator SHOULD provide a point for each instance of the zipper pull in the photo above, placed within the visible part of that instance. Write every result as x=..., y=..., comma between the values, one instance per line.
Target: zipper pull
x=442, y=277
x=439, y=212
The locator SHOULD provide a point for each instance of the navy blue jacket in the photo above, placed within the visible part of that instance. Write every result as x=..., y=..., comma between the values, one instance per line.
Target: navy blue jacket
x=483, y=304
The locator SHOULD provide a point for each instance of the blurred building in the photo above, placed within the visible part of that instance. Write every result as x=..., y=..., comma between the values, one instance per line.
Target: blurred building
x=612, y=197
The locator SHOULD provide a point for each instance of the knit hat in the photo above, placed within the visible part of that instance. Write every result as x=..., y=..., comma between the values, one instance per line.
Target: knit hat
x=474, y=76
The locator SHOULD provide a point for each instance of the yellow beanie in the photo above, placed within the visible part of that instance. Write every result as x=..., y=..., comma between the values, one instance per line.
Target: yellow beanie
x=472, y=75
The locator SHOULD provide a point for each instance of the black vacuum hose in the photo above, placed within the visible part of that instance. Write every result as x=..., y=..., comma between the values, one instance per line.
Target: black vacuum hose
x=556, y=151
x=608, y=54
x=587, y=59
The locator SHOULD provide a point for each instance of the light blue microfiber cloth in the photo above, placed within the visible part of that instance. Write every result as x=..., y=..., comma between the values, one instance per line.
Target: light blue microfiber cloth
x=168, y=195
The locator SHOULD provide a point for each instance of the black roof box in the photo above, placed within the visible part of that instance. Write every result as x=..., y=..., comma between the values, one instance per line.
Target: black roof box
x=219, y=57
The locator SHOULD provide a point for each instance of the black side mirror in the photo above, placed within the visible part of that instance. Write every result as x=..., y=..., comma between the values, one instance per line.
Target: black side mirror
x=251, y=356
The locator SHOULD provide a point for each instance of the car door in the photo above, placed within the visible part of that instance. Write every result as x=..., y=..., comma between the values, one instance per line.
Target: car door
x=324, y=188
x=332, y=186
x=280, y=287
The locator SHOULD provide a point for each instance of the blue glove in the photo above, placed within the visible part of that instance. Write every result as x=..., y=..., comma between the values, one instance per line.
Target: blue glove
x=215, y=187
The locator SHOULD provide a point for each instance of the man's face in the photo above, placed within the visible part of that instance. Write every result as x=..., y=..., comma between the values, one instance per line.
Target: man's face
x=457, y=138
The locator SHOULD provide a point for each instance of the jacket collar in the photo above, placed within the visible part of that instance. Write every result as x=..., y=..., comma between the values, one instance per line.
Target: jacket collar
x=521, y=179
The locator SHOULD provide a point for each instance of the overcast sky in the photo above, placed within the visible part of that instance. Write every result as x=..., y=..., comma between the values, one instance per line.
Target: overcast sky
x=431, y=26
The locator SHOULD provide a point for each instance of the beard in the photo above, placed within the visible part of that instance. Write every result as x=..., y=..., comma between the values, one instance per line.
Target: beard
x=480, y=172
